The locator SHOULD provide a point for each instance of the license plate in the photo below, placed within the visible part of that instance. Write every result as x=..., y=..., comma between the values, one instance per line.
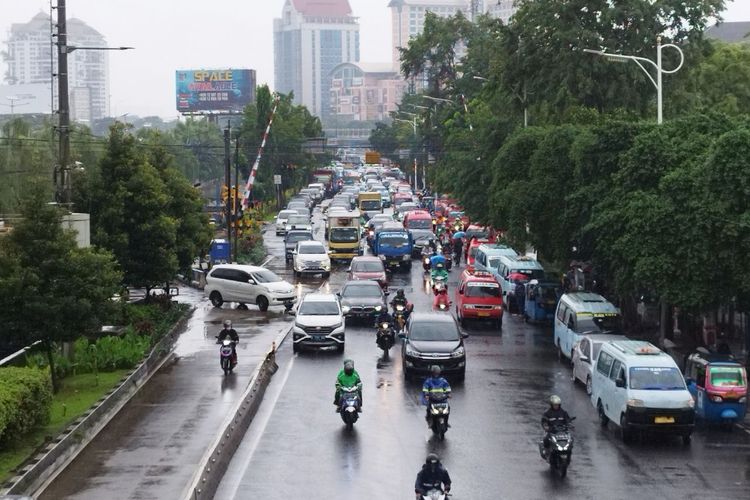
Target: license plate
x=483, y=314
x=663, y=420
x=318, y=338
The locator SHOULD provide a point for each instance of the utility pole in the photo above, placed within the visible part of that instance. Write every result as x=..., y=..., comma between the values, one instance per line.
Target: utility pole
x=228, y=182
x=236, y=193
x=63, y=169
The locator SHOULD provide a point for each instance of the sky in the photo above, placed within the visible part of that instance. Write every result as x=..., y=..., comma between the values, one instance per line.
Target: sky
x=186, y=34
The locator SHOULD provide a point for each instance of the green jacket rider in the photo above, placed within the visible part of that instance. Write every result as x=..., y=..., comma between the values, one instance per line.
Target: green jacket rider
x=347, y=377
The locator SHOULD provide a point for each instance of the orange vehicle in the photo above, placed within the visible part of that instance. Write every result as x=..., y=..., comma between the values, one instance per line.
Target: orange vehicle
x=479, y=296
x=418, y=219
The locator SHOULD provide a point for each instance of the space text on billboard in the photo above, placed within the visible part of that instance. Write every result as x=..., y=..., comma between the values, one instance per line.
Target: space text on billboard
x=214, y=90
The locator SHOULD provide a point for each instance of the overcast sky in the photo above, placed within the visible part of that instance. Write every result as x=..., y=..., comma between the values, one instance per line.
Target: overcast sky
x=184, y=34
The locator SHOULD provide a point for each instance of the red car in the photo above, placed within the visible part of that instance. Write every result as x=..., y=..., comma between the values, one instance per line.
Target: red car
x=471, y=249
x=418, y=219
x=479, y=296
x=368, y=268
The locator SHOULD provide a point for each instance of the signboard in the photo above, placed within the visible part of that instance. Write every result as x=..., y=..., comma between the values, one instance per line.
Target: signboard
x=372, y=157
x=277, y=180
x=214, y=90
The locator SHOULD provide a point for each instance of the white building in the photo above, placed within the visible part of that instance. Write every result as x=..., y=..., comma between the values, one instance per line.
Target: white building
x=311, y=38
x=29, y=62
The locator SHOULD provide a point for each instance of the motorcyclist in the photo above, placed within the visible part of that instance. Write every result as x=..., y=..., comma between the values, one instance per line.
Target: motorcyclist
x=384, y=317
x=554, y=417
x=231, y=334
x=434, y=386
x=437, y=259
x=432, y=475
x=347, y=377
x=400, y=300
x=457, y=250
x=441, y=296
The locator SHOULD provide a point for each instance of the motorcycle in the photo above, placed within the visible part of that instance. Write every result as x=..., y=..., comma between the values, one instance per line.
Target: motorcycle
x=426, y=255
x=399, y=314
x=436, y=493
x=560, y=449
x=439, y=411
x=439, y=279
x=448, y=259
x=442, y=301
x=385, y=337
x=349, y=406
x=226, y=355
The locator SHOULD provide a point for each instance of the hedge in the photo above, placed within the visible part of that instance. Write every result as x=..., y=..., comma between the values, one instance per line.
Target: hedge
x=25, y=400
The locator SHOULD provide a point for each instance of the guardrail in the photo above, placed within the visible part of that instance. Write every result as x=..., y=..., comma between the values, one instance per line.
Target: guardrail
x=215, y=463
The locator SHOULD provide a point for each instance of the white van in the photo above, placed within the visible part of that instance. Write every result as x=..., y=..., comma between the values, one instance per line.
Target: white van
x=509, y=265
x=641, y=388
x=579, y=314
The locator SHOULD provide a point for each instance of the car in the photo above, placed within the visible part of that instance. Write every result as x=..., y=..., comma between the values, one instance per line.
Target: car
x=478, y=296
x=302, y=222
x=404, y=208
x=585, y=354
x=281, y=220
x=640, y=388
x=311, y=257
x=362, y=300
x=422, y=238
x=291, y=239
x=433, y=339
x=246, y=284
x=368, y=268
x=417, y=219
x=300, y=207
x=318, y=323
x=579, y=314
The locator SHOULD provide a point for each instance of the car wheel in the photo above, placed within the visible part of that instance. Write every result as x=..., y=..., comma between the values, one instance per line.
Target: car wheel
x=326, y=275
x=295, y=348
x=589, y=389
x=603, y=419
x=625, y=431
x=500, y=323
x=686, y=439
x=560, y=356
x=262, y=303
x=298, y=274
x=216, y=299
x=340, y=348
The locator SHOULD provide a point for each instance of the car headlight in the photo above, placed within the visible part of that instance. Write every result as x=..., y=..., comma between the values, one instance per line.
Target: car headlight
x=411, y=352
x=458, y=353
x=327, y=266
x=378, y=308
x=337, y=326
x=426, y=260
x=743, y=399
x=690, y=402
x=636, y=403
x=382, y=257
x=469, y=306
x=298, y=329
x=406, y=257
x=346, y=309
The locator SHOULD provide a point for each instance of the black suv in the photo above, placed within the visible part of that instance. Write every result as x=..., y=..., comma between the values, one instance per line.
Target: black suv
x=433, y=339
x=291, y=239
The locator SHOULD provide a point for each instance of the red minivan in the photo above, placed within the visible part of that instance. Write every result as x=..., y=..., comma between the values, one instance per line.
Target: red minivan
x=418, y=219
x=479, y=296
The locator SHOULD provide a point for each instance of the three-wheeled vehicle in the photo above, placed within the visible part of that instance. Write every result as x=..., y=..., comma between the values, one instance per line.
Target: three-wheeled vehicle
x=541, y=300
x=718, y=382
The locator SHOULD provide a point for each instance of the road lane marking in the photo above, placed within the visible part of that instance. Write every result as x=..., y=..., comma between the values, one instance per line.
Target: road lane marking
x=269, y=259
x=259, y=430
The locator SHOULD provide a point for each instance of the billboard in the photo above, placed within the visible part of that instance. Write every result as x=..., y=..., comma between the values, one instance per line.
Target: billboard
x=214, y=89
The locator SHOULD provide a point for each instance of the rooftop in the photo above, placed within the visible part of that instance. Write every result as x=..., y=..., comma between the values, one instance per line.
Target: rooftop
x=323, y=8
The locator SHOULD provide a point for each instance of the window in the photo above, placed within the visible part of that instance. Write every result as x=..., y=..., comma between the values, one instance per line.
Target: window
x=726, y=376
x=437, y=331
x=312, y=250
x=584, y=347
x=656, y=379
x=561, y=310
x=482, y=290
x=266, y=276
x=367, y=267
x=604, y=364
x=319, y=308
x=362, y=291
x=616, y=369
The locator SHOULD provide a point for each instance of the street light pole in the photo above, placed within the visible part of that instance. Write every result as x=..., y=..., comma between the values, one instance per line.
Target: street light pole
x=660, y=71
x=413, y=123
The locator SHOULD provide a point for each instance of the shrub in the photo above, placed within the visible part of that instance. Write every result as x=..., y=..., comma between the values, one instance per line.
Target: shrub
x=25, y=399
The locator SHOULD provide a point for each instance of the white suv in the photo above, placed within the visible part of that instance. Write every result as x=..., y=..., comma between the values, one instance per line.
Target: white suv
x=248, y=285
x=281, y=220
x=311, y=257
x=319, y=323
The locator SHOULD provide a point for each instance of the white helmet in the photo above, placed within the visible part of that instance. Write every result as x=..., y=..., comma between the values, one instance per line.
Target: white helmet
x=555, y=400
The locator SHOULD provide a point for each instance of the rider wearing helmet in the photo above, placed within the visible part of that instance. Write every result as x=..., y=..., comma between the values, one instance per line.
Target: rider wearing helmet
x=231, y=333
x=434, y=385
x=400, y=299
x=347, y=377
x=555, y=416
x=433, y=475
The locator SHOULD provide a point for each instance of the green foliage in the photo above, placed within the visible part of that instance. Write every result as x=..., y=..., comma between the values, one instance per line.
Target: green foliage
x=25, y=398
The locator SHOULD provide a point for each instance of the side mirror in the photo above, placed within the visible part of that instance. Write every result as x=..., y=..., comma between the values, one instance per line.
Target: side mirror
x=460, y=291
x=464, y=335
x=292, y=312
x=689, y=381
x=584, y=359
x=402, y=336
x=251, y=281
x=620, y=382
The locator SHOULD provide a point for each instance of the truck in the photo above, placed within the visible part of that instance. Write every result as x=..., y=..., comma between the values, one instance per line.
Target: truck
x=344, y=231
x=370, y=203
x=324, y=176
x=394, y=245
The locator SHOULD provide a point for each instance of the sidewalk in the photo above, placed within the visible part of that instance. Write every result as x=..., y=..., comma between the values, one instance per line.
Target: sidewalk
x=153, y=445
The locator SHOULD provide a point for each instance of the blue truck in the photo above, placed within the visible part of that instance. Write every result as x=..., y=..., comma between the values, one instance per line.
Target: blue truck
x=394, y=247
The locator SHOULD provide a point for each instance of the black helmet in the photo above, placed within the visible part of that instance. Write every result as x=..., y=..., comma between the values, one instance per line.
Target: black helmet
x=348, y=366
x=400, y=292
x=432, y=458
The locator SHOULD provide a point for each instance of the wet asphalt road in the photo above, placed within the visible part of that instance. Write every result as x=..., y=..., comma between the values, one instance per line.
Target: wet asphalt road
x=151, y=449
x=298, y=447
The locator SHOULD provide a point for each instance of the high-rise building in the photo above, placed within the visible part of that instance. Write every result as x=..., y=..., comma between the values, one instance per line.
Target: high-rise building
x=311, y=38
x=31, y=60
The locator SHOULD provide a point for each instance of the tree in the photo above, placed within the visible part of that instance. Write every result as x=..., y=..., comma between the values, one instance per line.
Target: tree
x=198, y=149
x=50, y=289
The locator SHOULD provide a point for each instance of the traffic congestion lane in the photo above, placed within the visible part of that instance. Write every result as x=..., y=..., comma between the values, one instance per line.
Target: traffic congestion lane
x=491, y=449
x=151, y=448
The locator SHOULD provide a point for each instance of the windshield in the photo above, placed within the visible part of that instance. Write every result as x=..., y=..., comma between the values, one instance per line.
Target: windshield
x=548, y=293
x=362, y=291
x=294, y=238
x=654, y=378
x=393, y=240
x=433, y=330
x=482, y=290
x=312, y=250
x=480, y=235
x=370, y=205
x=532, y=274
x=266, y=276
x=367, y=267
x=314, y=308
x=597, y=324
x=344, y=234
x=419, y=224
x=285, y=214
x=727, y=376
x=298, y=219
x=456, y=214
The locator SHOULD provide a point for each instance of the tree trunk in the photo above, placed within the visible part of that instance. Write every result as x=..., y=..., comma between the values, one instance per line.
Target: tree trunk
x=51, y=361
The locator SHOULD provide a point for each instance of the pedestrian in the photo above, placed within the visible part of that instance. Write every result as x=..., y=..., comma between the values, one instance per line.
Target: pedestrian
x=520, y=295
x=457, y=250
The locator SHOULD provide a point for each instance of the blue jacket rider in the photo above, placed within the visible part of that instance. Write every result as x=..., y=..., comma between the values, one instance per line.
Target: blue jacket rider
x=432, y=475
x=437, y=259
x=434, y=386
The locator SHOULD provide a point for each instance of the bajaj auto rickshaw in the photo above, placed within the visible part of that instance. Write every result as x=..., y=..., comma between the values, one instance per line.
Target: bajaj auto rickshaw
x=541, y=300
x=718, y=382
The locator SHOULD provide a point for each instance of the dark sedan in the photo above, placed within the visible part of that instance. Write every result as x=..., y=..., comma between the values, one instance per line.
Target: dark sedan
x=422, y=238
x=362, y=299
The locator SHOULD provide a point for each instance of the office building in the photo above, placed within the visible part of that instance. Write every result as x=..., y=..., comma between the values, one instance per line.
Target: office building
x=31, y=60
x=311, y=38
x=365, y=92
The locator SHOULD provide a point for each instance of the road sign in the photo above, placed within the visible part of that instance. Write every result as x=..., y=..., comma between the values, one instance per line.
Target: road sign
x=403, y=154
x=277, y=180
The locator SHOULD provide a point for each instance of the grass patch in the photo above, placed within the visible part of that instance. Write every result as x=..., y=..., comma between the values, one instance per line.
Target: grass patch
x=77, y=394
